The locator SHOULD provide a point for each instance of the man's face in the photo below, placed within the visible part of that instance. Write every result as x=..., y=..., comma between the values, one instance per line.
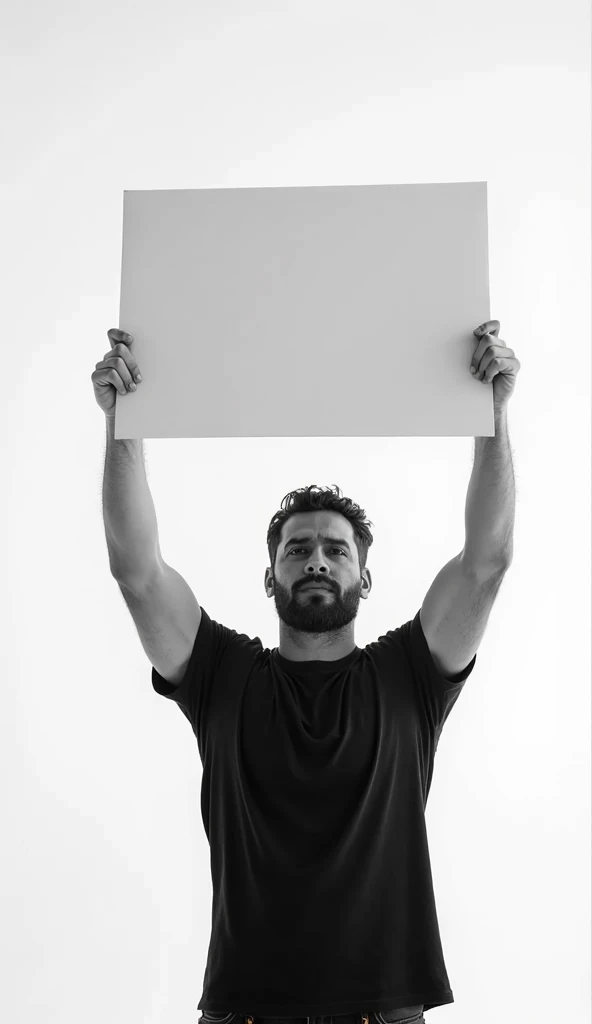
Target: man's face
x=317, y=547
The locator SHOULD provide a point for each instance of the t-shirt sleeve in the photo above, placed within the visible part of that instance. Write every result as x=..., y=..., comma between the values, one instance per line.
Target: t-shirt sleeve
x=437, y=693
x=192, y=693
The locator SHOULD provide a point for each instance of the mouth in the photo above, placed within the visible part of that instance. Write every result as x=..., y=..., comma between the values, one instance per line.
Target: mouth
x=316, y=586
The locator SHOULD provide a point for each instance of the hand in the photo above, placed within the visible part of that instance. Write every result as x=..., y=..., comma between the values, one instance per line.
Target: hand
x=115, y=371
x=494, y=361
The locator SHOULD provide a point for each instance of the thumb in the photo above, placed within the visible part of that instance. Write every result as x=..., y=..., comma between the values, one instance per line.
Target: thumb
x=116, y=337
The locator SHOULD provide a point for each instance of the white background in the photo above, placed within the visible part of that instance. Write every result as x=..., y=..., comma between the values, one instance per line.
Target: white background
x=106, y=893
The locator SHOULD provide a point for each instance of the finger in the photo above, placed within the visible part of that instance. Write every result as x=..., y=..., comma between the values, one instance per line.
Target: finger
x=108, y=375
x=484, y=344
x=116, y=362
x=121, y=349
x=496, y=354
x=489, y=327
x=497, y=365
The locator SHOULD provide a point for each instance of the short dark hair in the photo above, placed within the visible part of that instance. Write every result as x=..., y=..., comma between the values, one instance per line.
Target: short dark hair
x=330, y=498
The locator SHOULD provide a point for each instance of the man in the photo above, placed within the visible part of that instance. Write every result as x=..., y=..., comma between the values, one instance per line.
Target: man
x=317, y=755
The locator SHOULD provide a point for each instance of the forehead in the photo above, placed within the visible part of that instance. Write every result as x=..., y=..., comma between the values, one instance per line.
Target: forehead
x=319, y=525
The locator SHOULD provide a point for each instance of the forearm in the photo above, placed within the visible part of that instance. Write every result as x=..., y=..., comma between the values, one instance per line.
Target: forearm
x=131, y=528
x=491, y=501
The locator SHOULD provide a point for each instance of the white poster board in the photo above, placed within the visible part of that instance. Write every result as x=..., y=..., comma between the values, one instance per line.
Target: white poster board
x=323, y=311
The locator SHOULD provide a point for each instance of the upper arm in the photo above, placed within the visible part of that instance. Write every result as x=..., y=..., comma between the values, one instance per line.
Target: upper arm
x=167, y=617
x=455, y=613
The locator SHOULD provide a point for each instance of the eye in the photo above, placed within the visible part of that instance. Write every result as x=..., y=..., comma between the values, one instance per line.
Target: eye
x=332, y=549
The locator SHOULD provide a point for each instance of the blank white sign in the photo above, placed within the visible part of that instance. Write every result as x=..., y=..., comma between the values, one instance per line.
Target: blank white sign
x=329, y=311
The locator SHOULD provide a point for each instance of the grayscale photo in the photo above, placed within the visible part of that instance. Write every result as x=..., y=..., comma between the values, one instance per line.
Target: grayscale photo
x=298, y=474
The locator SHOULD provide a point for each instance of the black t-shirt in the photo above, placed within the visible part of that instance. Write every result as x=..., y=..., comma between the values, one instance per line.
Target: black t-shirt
x=315, y=780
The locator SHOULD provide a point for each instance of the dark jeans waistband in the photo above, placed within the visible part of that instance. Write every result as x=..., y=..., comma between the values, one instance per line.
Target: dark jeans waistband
x=404, y=1015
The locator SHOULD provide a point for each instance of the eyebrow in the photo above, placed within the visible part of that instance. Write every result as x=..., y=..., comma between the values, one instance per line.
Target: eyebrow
x=329, y=540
